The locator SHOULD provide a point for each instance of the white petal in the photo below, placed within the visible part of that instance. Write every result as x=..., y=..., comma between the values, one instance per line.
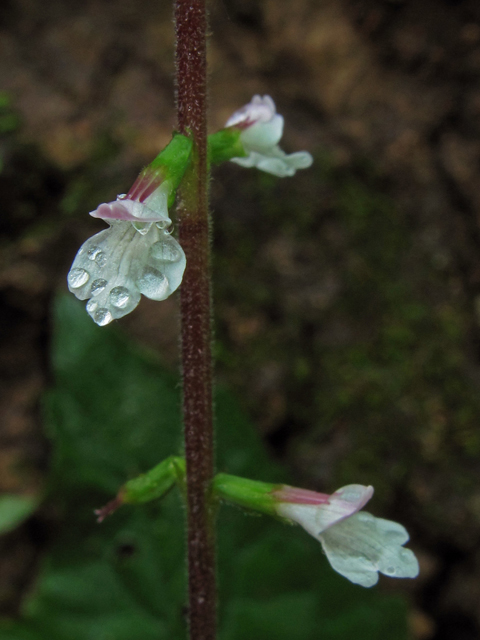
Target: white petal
x=153, y=209
x=262, y=136
x=276, y=161
x=360, y=546
x=317, y=518
x=115, y=266
x=257, y=110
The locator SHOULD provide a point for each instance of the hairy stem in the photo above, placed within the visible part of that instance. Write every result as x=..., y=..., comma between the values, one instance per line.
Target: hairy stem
x=195, y=303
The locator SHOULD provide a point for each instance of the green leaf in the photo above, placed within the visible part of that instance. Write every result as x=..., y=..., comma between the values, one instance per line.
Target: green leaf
x=114, y=413
x=14, y=510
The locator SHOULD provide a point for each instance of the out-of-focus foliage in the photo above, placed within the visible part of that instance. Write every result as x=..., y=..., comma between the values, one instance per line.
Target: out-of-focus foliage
x=344, y=324
x=14, y=510
x=113, y=413
x=9, y=120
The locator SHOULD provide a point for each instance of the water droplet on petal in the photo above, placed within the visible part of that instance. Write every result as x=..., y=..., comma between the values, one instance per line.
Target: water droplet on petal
x=93, y=252
x=153, y=284
x=165, y=251
x=97, y=255
x=102, y=316
x=119, y=297
x=91, y=306
x=142, y=227
x=98, y=286
x=77, y=278
x=390, y=571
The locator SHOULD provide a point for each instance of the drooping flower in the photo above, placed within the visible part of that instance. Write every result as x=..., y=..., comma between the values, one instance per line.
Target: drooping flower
x=136, y=255
x=261, y=129
x=357, y=544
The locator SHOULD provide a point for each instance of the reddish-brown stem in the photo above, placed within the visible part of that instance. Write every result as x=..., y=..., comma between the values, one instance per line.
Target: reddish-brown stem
x=195, y=303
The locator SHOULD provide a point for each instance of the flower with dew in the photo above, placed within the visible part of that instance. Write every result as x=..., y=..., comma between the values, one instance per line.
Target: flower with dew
x=261, y=129
x=357, y=544
x=136, y=255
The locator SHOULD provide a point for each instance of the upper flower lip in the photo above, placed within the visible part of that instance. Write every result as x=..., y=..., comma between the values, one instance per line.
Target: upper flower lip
x=126, y=209
x=320, y=511
x=259, y=109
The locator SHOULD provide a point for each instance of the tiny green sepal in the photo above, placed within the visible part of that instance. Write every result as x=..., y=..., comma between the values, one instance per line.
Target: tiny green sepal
x=167, y=169
x=225, y=145
x=173, y=160
x=250, y=494
x=154, y=483
x=148, y=486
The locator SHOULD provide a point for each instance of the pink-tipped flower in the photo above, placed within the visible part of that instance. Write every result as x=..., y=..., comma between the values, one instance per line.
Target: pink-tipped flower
x=261, y=130
x=136, y=255
x=357, y=544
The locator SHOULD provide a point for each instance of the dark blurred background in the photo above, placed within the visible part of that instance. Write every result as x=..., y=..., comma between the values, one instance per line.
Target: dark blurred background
x=347, y=298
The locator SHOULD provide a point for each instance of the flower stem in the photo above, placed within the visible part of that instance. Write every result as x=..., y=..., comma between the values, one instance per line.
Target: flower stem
x=195, y=304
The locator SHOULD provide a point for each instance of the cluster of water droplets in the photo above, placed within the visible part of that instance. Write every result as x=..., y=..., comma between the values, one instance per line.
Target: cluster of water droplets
x=113, y=268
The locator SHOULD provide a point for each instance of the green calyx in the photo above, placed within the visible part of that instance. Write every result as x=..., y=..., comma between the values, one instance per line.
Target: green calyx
x=155, y=483
x=250, y=494
x=170, y=165
x=173, y=160
x=225, y=145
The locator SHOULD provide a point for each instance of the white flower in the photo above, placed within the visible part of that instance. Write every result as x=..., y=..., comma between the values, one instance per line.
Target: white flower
x=357, y=544
x=261, y=130
x=135, y=256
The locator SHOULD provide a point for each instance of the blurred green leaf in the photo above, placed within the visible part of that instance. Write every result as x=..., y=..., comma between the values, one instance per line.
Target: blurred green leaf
x=114, y=413
x=14, y=510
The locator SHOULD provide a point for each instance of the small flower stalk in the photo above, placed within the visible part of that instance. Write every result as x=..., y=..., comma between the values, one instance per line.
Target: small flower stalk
x=358, y=545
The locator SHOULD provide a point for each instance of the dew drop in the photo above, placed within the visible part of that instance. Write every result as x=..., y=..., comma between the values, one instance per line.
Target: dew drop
x=142, y=227
x=77, y=278
x=93, y=252
x=119, y=297
x=153, y=284
x=97, y=255
x=390, y=571
x=91, y=306
x=102, y=316
x=101, y=259
x=165, y=252
x=98, y=286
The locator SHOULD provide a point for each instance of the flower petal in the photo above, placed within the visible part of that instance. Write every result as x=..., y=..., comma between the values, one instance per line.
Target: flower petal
x=360, y=546
x=257, y=110
x=115, y=266
x=276, y=161
x=153, y=209
x=315, y=519
x=262, y=136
